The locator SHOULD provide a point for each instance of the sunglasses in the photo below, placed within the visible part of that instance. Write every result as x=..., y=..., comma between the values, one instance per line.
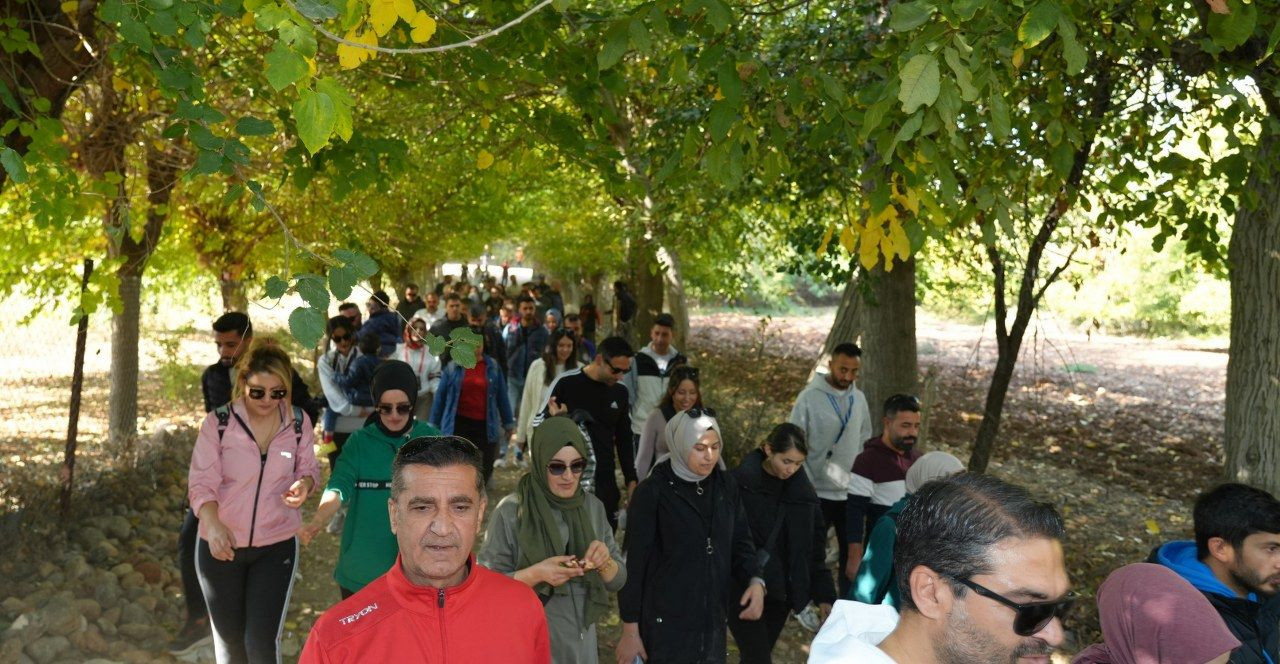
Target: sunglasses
x=1031, y=617
x=259, y=392
x=557, y=468
x=615, y=370
x=339, y=338
x=400, y=408
x=700, y=411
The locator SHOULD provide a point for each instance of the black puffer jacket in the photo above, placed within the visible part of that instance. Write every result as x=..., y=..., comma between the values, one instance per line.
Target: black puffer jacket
x=685, y=550
x=797, y=569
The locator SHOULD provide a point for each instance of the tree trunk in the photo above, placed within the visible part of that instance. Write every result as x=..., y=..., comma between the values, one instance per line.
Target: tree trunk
x=647, y=290
x=677, y=305
x=889, y=362
x=847, y=326
x=122, y=408
x=1253, y=365
x=77, y=385
x=234, y=297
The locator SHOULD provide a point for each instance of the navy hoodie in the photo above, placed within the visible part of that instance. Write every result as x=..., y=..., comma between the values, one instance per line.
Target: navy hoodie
x=1251, y=619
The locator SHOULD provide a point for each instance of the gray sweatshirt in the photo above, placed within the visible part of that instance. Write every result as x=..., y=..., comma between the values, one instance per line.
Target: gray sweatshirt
x=820, y=411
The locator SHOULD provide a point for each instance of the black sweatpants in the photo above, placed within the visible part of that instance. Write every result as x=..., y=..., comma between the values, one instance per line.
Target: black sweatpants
x=756, y=638
x=191, y=591
x=477, y=431
x=833, y=514
x=248, y=597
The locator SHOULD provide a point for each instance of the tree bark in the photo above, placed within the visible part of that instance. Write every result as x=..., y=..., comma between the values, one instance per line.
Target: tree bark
x=889, y=360
x=677, y=305
x=77, y=386
x=647, y=289
x=234, y=297
x=1253, y=366
x=847, y=326
x=122, y=404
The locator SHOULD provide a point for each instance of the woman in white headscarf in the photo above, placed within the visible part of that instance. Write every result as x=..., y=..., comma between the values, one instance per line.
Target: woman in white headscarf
x=876, y=583
x=687, y=543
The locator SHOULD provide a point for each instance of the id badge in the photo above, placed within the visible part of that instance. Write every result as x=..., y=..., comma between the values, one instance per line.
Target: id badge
x=837, y=474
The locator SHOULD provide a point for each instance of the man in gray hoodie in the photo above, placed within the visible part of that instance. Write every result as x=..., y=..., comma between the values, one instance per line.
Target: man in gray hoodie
x=836, y=420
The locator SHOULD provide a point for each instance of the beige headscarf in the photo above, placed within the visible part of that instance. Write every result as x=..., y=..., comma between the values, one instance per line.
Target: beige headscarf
x=683, y=432
x=931, y=466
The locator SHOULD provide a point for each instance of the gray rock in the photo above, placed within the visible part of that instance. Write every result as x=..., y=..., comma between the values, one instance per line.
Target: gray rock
x=12, y=606
x=135, y=631
x=61, y=617
x=148, y=603
x=76, y=567
x=289, y=646
x=132, y=580
x=117, y=526
x=46, y=568
x=90, y=537
x=111, y=616
x=89, y=608
x=107, y=593
x=122, y=569
x=46, y=649
x=132, y=613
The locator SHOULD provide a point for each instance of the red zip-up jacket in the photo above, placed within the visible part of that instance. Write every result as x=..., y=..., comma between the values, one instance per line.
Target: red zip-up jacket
x=489, y=617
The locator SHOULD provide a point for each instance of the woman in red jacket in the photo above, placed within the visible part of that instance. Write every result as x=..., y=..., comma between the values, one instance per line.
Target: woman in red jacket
x=252, y=468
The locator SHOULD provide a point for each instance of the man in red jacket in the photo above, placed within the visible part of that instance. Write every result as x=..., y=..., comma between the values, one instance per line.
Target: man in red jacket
x=436, y=604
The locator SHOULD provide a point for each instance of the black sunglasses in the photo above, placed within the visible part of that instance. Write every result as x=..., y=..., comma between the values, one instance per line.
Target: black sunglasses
x=339, y=338
x=259, y=392
x=557, y=468
x=1031, y=617
x=401, y=408
x=699, y=411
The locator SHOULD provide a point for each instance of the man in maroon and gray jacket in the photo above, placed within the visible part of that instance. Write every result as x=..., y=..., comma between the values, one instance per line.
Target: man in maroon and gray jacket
x=880, y=473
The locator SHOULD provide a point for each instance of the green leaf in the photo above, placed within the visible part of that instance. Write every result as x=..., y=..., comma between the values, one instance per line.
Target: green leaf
x=909, y=128
x=966, y=9
x=436, y=345
x=315, y=117
x=316, y=10
x=1072, y=52
x=1039, y=22
x=1000, y=127
x=342, y=104
x=1234, y=29
x=284, y=67
x=13, y=165
x=719, y=15
x=730, y=84
x=307, y=325
x=920, y=79
x=135, y=32
x=639, y=34
x=251, y=126
x=341, y=280
x=910, y=15
x=314, y=290
x=276, y=287
x=463, y=332
x=464, y=354
x=964, y=78
x=363, y=265
x=615, y=45
x=233, y=194
x=560, y=6
x=721, y=120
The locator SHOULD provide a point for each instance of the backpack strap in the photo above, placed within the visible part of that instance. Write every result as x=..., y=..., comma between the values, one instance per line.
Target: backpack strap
x=223, y=414
x=297, y=435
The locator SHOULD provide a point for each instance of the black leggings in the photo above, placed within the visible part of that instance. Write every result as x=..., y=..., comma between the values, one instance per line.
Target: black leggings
x=248, y=598
x=477, y=431
x=756, y=638
x=191, y=591
x=833, y=514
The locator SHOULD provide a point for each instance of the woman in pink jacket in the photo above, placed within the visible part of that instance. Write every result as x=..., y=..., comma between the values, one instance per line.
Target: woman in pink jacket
x=252, y=468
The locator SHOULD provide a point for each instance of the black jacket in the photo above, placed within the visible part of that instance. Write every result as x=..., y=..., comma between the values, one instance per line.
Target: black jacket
x=797, y=570
x=1255, y=624
x=679, y=571
x=215, y=384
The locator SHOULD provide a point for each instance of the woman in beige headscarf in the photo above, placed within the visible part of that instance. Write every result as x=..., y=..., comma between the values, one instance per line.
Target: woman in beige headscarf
x=876, y=583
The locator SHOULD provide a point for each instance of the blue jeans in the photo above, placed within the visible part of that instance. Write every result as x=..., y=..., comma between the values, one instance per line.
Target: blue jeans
x=515, y=389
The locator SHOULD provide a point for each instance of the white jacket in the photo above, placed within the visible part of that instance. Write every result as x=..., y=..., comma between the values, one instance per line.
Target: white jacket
x=818, y=411
x=350, y=418
x=852, y=632
x=535, y=392
x=425, y=366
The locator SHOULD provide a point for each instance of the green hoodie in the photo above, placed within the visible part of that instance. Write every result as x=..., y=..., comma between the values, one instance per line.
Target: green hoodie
x=362, y=478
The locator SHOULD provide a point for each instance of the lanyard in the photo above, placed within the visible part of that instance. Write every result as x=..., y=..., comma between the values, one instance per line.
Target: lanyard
x=844, y=419
x=422, y=361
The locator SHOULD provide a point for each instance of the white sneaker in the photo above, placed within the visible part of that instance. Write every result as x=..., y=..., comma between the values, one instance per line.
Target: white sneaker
x=500, y=463
x=808, y=618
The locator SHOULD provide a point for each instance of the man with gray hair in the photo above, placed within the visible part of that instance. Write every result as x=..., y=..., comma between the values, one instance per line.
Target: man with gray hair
x=436, y=604
x=980, y=569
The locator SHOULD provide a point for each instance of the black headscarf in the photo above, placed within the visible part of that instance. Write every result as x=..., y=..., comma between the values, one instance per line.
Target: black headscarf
x=394, y=375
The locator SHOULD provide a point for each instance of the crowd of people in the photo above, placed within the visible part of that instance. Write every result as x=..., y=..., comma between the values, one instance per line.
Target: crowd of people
x=624, y=492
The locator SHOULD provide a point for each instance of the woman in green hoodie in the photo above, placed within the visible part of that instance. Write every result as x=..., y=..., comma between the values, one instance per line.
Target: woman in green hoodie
x=362, y=480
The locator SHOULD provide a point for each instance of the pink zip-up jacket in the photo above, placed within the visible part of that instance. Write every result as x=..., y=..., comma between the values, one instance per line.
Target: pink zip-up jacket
x=249, y=487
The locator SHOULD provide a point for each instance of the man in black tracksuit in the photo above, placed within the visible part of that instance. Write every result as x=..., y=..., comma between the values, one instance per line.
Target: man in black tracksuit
x=596, y=390
x=1235, y=562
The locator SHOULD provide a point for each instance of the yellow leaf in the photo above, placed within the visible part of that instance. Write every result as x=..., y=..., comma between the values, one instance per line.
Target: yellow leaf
x=907, y=200
x=70, y=7
x=484, y=159
x=119, y=84
x=406, y=10
x=423, y=27
x=847, y=239
x=1153, y=528
x=901, y=243
x=311, y=66
x=868, y=254
x=826, y=240
x=485, y=122
x=718, y=95
x=1017, y=58
x=350, y=57
x=247, y=20
x=382, y=15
